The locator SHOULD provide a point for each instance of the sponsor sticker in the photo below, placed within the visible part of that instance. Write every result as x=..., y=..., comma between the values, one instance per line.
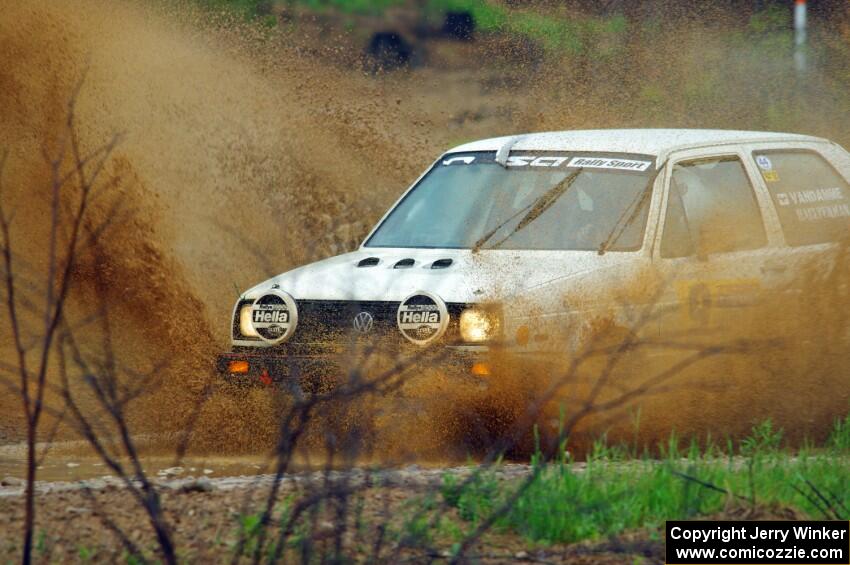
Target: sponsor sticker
x=525, y=161
x=764, y=163
x=535, y=161
x=608, y=163
x=805, y=197
x=817, y=213
x=770, y=176
x=464, y=160
x=274, y=316
x=699, y=299
x=422, y=317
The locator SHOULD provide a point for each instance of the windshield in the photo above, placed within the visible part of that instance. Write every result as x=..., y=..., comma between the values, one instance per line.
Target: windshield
x=541, y=200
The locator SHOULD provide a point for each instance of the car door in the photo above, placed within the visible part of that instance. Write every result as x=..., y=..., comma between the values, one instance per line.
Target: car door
x=810, y=193
x=809, y=187
x=712, y=245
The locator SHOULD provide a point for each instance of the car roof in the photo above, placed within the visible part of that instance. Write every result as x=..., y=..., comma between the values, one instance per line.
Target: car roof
x=657, y=142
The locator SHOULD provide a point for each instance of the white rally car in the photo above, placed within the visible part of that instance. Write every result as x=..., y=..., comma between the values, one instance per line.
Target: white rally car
x=515, y=240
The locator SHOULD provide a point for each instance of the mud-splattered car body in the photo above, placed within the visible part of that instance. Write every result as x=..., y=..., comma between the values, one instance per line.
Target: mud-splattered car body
x=524, y=241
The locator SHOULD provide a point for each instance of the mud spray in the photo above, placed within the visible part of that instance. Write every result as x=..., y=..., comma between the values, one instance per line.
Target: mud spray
x=248, y=152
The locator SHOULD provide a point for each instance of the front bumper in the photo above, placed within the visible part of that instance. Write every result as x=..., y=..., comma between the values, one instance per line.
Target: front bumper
x=318, y=372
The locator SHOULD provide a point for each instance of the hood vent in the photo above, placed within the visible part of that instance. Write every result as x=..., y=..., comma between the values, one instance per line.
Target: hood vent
x=441, y=264
x=404, y=264
x=368, y=262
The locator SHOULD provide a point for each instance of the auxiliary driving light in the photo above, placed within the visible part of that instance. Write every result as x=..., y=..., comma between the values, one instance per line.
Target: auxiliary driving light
x=237, y=367
x=246, y=328
x=478, y=325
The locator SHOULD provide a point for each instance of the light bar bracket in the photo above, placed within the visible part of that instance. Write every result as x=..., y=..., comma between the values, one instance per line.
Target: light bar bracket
x=505, y=150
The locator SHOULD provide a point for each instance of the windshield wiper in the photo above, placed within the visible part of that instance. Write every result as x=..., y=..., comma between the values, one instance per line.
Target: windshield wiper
x=539, y=206
x=641, y=201
x=486, y=237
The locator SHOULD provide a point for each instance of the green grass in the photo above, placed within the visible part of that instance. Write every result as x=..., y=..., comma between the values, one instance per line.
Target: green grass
x=617, y=490
x=245, y=8
x=614, y=494
x=371, y=7
x=487, y=16
x=554, y=32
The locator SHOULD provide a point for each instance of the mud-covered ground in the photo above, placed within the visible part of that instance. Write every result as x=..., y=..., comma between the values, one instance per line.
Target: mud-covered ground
x=208, y=516
x=207, y=524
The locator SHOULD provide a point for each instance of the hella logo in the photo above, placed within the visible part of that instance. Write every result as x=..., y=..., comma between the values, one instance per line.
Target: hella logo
x=420, y=317
x=271, y=317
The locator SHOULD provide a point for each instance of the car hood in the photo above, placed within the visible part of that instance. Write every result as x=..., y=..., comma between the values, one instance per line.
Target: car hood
x=471, y=277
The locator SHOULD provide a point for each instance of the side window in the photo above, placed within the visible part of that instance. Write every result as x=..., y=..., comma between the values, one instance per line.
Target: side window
x=711, y=209
x=811, y=198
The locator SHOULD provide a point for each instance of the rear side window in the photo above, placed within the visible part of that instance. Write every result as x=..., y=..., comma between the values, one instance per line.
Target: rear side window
x=811, y=198
x=711, y=209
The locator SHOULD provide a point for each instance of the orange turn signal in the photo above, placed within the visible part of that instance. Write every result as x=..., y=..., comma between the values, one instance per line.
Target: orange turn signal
x=237, y=367
x=480, y=369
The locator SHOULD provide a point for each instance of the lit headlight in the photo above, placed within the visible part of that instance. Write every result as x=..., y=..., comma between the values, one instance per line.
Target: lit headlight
x=478, y=325
x=246, y=328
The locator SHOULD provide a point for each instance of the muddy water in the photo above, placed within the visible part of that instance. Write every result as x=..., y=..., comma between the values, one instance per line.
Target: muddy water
x=221, y=170
x=68, y=468
x=245, y=155
x=75, y=461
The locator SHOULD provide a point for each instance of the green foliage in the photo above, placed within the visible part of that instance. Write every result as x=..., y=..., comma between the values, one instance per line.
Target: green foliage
x=771, y=19
x=248, y=530
x=417, y=529
x=488, y=17
x=85, y=553
x=613, y=493
x=372, y=7
x=553, y=33
x=763, y=439
x=556, y=33
x=839, y=439
x=248, y=9
x=41, y=542
x=131, y=559
x=473, y=497
x=249, y=525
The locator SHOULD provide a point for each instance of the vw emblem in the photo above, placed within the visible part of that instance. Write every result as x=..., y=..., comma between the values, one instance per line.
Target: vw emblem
x=363, y=322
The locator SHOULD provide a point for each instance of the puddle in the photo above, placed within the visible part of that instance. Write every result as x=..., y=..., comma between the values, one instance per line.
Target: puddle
x=83, y=468
x=74, y=461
